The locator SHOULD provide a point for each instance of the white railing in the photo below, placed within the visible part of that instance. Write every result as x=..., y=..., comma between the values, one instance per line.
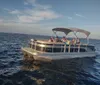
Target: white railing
x=63, y=47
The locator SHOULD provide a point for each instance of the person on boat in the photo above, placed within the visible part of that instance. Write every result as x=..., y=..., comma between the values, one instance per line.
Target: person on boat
x=77, y=41
x=68, y=42
x=31, y=42
x=73, y=42
x=57, y=39
x=51, y=39
x=64, y=39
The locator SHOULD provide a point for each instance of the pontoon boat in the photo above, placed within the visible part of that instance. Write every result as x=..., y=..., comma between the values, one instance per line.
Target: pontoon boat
x=44, y=50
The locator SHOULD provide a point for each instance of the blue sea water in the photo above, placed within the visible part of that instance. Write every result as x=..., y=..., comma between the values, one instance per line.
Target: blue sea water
x=15, y=71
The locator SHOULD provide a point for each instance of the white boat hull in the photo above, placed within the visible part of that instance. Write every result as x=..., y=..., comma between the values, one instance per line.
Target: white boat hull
x=56, y=56
x=47, y=57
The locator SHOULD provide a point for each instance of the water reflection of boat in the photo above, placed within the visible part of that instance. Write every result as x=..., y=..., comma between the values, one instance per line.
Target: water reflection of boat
x=48, y=72
x=45, y=50
x=60, y=72
x=31, y=67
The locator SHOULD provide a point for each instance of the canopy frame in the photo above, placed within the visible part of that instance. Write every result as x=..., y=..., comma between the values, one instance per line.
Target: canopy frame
x=74, y=30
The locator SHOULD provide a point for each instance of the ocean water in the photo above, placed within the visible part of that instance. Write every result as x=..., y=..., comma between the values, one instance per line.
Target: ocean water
x=15, y=71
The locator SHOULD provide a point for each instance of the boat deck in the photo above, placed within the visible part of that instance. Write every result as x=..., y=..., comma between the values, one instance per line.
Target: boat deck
x=30, y=54
x=29, y=50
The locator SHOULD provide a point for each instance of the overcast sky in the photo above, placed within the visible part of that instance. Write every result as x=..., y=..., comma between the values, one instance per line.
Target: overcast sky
x=40, y=16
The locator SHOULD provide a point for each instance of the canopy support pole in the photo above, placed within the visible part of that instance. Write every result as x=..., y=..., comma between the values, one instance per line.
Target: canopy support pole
x=55, y=33
x=87, y=40
x=75, y=34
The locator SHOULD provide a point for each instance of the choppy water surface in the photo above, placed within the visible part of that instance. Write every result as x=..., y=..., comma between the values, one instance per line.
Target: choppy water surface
x=15, y=71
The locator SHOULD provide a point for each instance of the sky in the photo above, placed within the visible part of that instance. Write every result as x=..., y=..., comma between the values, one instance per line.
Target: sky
x=40, y=16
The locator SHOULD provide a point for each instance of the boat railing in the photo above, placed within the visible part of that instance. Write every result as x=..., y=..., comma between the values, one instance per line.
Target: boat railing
x=62, y=47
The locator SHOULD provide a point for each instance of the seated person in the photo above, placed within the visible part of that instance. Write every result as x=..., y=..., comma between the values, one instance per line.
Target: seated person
x=51, y=39
x=68, y=42
x=77, y=41
x=73, y=42
x=57, y=39
x=64, y=39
